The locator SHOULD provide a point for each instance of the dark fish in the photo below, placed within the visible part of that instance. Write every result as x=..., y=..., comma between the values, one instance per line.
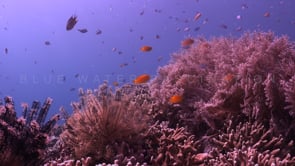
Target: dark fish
x=98, y=32
x=141, y=13
x=157, y=36
x=197, y=28
x=72, y=89
x=123, y=65
x=77, y=75
x=47, y=43
x=244, y=6
x=72, y=21
x=84, y=30
x=223, y=26
x=6, y=50
x=158, y=11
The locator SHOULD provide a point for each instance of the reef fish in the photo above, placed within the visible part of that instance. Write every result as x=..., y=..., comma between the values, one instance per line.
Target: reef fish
x=266, y=14
x=98, y=32
x=146, y=48
x=176, y=99
x=187, y=42
x=6, y=50
x=72, y=21
x=142, y=79
x=84, y=30
x=197, y=16
x=47, y=43
x=229, y=77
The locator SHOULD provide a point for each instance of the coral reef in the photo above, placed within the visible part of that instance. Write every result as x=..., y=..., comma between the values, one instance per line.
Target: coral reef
x=237, y=107
x=229, y=79
x=24, y=140
x=228, y=76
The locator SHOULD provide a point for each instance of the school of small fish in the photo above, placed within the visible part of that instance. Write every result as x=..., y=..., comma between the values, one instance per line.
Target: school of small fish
x=199, y=18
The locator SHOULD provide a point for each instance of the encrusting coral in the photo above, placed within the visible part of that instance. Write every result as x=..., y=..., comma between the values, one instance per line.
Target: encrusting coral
x=24, y=140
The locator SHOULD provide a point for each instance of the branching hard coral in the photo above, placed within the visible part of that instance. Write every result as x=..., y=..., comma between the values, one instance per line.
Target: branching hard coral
x=289, y=92
x=104, y=125
x=24, y=140
x=167, y=146
x=227, y=79
x=227, y=76
x=250, y=143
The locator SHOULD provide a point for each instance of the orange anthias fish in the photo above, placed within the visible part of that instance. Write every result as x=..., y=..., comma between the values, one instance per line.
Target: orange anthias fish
x=142, y=79
x=229, y=77
x=176, y=99
x=187, y=42
x=146, y=48
x=72, y=21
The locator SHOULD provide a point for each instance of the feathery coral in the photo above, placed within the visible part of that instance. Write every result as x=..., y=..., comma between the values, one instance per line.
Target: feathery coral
x=101, y=123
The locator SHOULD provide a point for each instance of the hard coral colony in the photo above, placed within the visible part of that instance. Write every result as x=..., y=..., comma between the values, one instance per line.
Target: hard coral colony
x=235, y=106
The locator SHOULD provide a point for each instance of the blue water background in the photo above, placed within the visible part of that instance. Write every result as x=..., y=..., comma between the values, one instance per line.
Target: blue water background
x=32, y=70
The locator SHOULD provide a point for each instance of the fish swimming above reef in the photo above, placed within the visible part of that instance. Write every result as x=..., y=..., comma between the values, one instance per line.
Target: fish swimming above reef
x=6, y=50
x=146, y=48
x=98, y=32
x=84, y=30
x=47, y=43
x=187, y=42
x=141, y=79
x=72, y=21
x=197, y=16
